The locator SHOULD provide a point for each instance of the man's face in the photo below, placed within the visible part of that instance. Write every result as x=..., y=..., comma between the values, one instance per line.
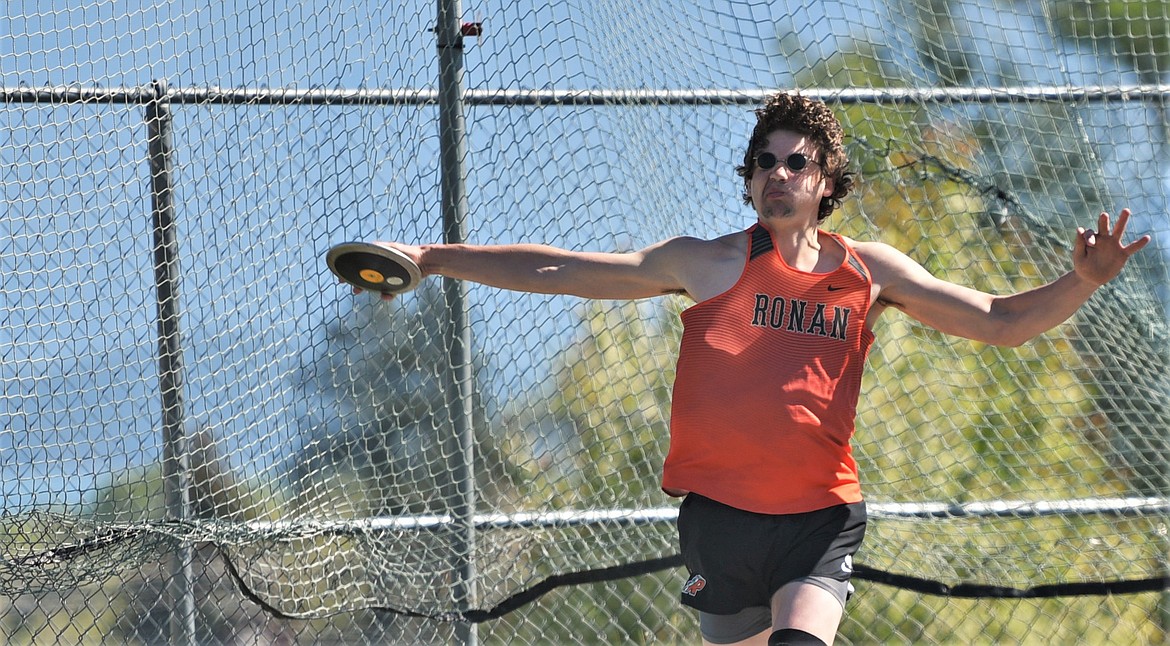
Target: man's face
x=787, y=191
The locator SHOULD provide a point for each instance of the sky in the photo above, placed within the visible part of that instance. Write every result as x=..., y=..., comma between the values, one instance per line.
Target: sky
x=262, y=192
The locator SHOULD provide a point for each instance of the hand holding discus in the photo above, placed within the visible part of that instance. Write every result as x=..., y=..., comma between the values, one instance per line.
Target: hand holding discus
x=373, y=267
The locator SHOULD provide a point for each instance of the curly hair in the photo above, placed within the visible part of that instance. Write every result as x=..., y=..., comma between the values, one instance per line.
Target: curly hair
x=812, y=119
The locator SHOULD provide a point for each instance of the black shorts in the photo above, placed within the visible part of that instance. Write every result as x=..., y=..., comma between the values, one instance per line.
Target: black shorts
x=738, y=559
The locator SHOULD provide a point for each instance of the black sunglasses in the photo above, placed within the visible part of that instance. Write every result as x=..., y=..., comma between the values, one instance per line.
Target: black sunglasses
x=796, y=162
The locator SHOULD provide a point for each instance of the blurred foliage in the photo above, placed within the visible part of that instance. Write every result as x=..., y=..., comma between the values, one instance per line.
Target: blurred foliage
x=940, y=43
x=378, y=426
x=976, y=413
x=608, y=412
x=1137, y=31
x=946, y=419
x=604, y=442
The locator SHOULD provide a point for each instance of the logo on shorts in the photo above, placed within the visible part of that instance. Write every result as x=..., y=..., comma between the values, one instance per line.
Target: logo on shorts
x=847, y=564
x=694, y=584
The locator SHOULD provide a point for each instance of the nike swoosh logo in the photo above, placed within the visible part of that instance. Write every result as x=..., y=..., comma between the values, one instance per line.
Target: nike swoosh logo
x=833, y=289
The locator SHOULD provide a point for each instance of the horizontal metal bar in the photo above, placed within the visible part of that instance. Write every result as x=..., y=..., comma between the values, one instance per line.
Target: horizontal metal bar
x=346, y=97
x=846, y=96
x=231, y=533
x=1021, y=509
x=217, y=96
x=1127, y=507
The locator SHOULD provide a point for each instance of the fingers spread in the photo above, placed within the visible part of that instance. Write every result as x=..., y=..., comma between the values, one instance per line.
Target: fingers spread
x=1136, y=245
x=1122, y=221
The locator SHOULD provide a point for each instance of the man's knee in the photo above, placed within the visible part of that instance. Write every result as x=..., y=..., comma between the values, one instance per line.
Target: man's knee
x=794, y=637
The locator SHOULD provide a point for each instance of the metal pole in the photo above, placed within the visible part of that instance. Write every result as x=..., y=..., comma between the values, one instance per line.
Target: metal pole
x=181, y=593
x=457, y=332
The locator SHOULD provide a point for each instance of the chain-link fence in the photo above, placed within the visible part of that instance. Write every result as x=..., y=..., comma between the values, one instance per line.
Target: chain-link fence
x=207, y=440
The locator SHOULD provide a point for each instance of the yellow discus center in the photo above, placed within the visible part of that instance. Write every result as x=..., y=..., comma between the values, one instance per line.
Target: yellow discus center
x=372, y=276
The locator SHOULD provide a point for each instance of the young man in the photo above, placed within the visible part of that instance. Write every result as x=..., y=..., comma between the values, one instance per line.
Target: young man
x=769, y=369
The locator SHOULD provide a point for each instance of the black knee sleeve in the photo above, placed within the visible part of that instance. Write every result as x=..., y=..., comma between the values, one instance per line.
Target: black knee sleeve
x=794, y=637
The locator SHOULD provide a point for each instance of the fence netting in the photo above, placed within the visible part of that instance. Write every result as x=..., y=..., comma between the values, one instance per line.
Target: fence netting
x=1016, y=494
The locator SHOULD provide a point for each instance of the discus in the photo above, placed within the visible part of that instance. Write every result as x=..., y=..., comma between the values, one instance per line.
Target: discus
x=373, y=267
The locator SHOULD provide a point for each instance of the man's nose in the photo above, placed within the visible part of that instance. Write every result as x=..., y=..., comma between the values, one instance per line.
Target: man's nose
x=780, y=172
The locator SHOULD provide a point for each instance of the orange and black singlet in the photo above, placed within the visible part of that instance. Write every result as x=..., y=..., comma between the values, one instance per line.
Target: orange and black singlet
x=769, y=374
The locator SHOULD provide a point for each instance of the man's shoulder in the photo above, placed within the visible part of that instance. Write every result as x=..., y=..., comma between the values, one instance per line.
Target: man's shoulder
x=888, y=264
x=872, y=251
x=696, y=248
x=705, y=267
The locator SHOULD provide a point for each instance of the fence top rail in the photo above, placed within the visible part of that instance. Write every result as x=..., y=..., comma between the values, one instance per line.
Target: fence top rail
x=548, y=97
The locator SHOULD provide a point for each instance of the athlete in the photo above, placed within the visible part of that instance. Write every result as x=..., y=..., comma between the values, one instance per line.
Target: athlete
x=770, y=364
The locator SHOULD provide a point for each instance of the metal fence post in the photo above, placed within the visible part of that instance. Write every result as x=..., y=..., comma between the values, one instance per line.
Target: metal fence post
x=457, y=333
x=180, y=593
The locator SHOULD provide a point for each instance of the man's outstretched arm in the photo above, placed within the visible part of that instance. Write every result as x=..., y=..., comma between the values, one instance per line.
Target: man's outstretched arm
x=1098, y=257
x=656, y=270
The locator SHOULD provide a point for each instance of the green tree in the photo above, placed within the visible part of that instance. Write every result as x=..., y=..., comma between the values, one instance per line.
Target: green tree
x=381, y=442
x=940, y=43
x=944, y=419
x=604, y=437
x=133, y=608
x=378, y=422
x=1138, y=31
x=611, y=401
x=1132, y=393
x=216, y=491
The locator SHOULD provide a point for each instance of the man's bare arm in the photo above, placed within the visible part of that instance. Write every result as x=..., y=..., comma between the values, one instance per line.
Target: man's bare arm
x=1011, y=320
x=656, y=270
